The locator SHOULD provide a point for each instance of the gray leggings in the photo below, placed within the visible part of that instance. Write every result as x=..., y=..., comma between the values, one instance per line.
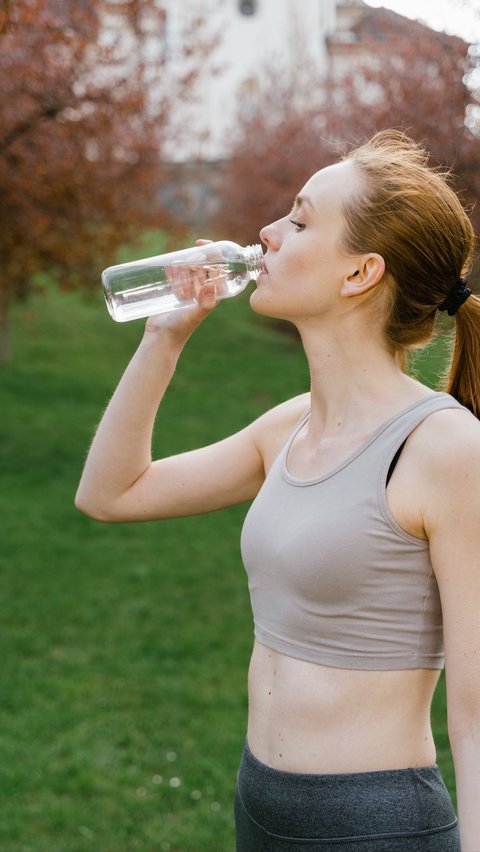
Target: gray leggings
x=404, y=810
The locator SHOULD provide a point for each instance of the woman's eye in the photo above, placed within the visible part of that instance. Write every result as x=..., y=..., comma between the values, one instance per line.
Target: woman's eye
x=298, y=225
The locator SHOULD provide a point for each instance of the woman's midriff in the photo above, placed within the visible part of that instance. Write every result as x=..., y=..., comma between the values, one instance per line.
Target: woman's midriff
x=305, y=717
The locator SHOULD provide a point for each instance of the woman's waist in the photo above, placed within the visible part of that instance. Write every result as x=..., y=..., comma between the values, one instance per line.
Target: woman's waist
x=313, y=718
x=358, y=809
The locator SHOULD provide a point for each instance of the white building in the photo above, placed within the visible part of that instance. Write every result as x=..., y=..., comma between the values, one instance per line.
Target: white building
x=253, y=33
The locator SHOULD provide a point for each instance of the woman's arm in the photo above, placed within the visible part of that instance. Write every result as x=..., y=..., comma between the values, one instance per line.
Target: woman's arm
x=121, y=483
x=452, y=522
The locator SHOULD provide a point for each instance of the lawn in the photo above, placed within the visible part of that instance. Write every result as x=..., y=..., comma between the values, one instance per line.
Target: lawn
x=125, y=648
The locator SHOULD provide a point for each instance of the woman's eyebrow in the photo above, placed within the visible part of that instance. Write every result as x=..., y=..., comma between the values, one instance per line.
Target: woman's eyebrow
x=302, y=200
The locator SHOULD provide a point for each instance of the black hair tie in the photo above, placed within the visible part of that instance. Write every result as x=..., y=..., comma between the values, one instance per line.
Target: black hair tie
x=456, y=297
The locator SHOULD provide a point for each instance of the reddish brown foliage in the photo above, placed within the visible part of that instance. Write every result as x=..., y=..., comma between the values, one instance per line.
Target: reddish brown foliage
x=410, y=78
x=80, y=144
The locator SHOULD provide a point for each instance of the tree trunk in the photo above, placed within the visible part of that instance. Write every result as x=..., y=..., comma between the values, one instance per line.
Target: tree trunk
x=5, y=337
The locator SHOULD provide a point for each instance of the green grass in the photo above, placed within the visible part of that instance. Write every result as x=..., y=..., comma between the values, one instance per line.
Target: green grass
x=125, y=648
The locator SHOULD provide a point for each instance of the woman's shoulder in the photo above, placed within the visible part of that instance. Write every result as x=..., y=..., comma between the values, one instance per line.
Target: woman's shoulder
x=440, y=466
x=445, y=462
x=447, y=441
x=287, y=414
x=274, y=427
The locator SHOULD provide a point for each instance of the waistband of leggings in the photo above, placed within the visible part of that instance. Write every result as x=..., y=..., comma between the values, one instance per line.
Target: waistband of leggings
x=404, y=801
x=326, y=777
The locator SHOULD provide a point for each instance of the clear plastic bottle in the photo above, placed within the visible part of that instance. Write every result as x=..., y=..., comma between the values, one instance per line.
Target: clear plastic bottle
x=156, y=285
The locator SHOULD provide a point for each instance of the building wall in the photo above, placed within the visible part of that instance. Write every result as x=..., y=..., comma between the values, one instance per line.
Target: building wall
x=253, y=33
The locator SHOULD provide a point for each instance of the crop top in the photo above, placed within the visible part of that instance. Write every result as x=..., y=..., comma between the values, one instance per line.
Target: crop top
x=333, y=579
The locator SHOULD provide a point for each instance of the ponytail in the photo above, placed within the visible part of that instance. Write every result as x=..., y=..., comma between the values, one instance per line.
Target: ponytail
x=463, y=375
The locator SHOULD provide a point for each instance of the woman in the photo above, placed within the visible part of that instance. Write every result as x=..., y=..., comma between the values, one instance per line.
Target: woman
x=363, y=534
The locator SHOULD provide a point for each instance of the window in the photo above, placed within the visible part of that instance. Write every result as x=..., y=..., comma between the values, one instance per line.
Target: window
x=247, y=7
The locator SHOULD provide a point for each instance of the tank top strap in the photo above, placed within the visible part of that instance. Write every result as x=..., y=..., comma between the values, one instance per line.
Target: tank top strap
x=282, y=453
x=397, y=430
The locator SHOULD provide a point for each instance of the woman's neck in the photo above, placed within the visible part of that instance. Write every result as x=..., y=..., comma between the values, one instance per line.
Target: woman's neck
x=355, y=381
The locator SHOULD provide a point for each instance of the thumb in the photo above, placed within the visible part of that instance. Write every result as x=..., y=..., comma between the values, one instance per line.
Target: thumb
x=207, y=297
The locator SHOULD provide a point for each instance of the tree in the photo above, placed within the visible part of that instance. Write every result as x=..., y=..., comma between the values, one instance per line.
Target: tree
x=88, y=98
x=392, y=73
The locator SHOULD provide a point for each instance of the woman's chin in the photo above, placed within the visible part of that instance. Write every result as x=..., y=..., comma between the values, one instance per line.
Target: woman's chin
x=260, y=304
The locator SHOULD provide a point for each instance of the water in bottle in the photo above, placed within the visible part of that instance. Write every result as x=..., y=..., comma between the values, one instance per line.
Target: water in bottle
x=156, y=285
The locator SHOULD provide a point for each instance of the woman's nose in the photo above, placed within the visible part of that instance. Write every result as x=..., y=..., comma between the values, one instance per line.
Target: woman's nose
x=268, y=236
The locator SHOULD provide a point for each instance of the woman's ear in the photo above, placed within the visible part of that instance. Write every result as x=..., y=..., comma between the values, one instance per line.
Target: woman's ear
x=368, y=271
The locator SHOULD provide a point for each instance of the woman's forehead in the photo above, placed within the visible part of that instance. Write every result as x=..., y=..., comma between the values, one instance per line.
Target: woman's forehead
x=335, y=181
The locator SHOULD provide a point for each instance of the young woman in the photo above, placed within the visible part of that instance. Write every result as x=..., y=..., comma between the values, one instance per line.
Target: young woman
x=362, y=545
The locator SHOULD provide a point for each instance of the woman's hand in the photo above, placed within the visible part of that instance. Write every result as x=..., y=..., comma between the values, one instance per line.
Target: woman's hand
x=193, y=284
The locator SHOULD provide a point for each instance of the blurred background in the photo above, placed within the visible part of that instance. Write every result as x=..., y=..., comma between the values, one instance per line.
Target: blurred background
x=128, y=127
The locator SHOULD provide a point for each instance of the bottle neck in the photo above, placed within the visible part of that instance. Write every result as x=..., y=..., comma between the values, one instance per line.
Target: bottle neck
x=254, y=258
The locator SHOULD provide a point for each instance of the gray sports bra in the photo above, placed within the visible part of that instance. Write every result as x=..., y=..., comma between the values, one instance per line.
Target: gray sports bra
x=333, y=578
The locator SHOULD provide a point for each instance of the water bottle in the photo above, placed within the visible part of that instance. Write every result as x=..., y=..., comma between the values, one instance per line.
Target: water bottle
x=167, y=282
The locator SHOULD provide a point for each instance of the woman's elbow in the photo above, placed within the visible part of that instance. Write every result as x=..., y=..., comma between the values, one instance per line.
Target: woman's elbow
x=92, y=509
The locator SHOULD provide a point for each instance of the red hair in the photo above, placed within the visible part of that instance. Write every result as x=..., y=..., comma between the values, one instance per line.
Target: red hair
x=409, y=213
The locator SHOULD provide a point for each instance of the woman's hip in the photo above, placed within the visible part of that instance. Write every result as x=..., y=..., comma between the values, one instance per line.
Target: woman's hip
x=405, y=810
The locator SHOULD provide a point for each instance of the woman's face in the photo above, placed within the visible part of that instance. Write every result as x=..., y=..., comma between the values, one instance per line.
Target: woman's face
x=304, y=263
